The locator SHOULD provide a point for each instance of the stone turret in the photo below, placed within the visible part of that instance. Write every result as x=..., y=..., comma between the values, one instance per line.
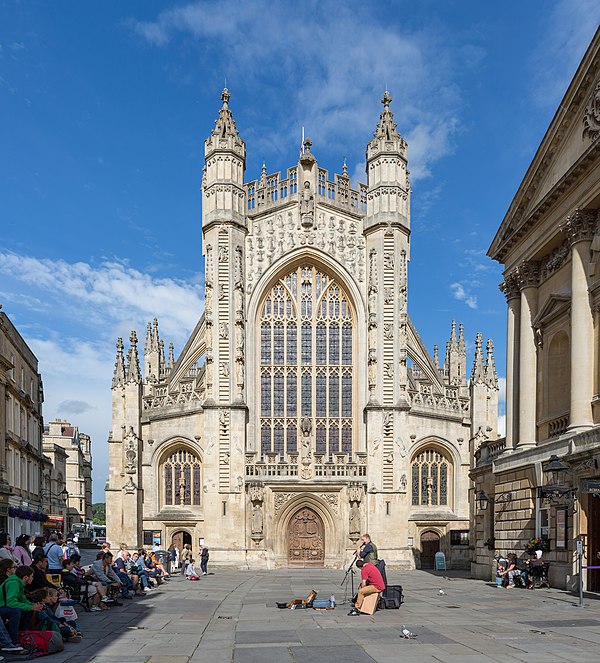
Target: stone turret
x=484, y=393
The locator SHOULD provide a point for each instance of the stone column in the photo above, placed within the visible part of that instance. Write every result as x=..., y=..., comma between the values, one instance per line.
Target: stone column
x=579, y=228
x=528, y=278
x=510, y=288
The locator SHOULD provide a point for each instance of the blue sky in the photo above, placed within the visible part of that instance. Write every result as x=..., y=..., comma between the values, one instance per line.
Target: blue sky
x=104, y=108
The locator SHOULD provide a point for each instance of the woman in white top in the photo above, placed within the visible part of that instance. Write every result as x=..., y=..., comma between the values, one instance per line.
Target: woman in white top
x=6, y=551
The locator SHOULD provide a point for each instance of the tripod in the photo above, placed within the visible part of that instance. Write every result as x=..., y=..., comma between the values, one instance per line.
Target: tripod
x=349, y=576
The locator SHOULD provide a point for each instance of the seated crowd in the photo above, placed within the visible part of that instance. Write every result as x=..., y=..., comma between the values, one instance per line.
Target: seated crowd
x=529, y=572
x=41, y=582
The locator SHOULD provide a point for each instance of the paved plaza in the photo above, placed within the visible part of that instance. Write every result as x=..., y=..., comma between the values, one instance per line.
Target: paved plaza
x=231, y=616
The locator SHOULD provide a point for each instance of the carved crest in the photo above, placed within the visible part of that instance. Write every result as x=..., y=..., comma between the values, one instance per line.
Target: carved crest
x=591, y=119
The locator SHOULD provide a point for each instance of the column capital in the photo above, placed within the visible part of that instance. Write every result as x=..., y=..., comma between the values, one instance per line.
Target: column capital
x=510, y=285
x=580, y=226
x=528, y=274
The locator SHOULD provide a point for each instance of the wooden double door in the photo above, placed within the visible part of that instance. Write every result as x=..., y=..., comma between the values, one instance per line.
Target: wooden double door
x=306, y=539
x=181, y=538
x=430, y=544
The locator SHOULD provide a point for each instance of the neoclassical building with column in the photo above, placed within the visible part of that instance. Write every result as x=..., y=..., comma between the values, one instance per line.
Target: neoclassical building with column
x=543, y=479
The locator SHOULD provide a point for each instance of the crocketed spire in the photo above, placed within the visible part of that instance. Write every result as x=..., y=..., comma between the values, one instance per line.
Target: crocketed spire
x=119, y=372
x=478, y=374
x=490, y=367
x=171, y=357
x=133, y=368
x=225, y=124
x=386, y=127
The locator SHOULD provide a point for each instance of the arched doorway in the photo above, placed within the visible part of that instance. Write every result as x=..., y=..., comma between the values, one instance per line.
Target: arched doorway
x=180, y=539
x=306, y=539
x=430, y=544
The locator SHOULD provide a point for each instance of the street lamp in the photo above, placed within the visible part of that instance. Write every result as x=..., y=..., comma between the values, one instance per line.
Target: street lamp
x=483, y=500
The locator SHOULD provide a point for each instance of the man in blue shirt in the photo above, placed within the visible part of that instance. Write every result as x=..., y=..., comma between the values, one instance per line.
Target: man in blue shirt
x=54, y=552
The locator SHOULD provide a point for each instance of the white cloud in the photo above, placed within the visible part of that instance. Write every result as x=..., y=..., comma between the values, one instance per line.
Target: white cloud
x=112, y=292
x=502, y=425
x=460, y=293
x=340, y=58
x=501, y=393
x=569, y=28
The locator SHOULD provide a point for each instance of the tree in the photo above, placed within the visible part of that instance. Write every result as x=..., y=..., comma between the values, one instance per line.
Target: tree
x=99, y=513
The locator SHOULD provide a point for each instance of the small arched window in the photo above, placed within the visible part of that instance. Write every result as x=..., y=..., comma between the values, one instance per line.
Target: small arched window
x=430, y=474
x=182, y=479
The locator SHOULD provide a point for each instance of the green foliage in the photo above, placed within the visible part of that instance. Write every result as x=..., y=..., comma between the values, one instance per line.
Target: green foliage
x=99, y=513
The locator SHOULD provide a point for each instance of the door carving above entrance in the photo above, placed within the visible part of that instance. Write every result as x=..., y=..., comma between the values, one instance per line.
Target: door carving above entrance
x=306, y=539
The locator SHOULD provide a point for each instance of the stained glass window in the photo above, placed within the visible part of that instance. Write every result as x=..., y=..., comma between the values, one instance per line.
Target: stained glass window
x=182, y=479
x=430, y=476
x=306, y=353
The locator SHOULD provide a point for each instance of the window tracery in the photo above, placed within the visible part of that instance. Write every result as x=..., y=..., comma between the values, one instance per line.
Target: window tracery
x=430, y=473
x=181, y=475
x=306, y=353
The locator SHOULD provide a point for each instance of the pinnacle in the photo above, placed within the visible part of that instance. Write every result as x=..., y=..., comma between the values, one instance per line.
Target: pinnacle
x=225, y=124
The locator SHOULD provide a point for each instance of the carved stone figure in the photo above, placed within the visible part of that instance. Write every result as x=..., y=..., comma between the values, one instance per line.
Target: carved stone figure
x=223, y=330
x=181, y=490
x=354, y=520
x=257, y=519
x=223, y=254
x=307, y=207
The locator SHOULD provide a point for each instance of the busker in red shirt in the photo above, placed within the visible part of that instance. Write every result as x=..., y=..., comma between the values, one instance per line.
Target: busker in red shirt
x=372, y=582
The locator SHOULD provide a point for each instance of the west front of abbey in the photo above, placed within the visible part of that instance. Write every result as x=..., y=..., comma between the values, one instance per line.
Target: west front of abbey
x=304, y=409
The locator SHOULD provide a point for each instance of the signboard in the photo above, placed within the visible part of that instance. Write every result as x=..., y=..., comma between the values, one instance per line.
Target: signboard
x=55, y=523
x=591, y=486
x=440, y=561
x=156, y=539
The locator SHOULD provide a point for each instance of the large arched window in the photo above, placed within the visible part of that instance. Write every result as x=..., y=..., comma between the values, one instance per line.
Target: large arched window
x=306, y=352
x=430, y=472
x=182, y=478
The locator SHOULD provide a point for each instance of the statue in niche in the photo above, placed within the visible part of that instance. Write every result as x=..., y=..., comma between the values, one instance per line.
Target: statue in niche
x=223, y=330
x=257, y=519
x=354, y=520
x=181, y=490
x=223, y=254
x=307, y=207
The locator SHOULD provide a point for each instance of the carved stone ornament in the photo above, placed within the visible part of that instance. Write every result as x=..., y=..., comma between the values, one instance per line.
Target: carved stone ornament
x=257, y=519
x=256, y=492
x=130, y=487
x=510, y=286
x=580, y=226
x=223, y=254
x=591, y=119
x=331, y=499
x=528, y=274
x=403, y=483
x=280, y=500
x=554, y=260
x=355, y=492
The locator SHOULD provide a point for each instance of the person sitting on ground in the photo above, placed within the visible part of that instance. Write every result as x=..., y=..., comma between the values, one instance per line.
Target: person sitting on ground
x=160, y=566
x=371, y=583
x=6, y=550
x=94, y=590
x=21, y=550
x=190, y=571
x=54, y=552
x=47, y=620
x=11, y=615
x=38, y=546
x=501, y=566
x=204, y=556
x=103, y=571
x=12, y=594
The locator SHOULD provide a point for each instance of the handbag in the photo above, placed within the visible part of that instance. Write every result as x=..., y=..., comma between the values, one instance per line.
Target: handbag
x=66, y=611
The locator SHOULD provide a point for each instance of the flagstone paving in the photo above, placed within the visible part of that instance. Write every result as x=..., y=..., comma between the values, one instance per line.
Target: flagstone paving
x=231, y=617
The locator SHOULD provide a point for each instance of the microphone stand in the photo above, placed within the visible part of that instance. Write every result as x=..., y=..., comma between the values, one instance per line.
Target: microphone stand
x=349, y=572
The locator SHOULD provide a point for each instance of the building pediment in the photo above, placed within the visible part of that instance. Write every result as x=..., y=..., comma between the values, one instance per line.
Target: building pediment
x=569, y=148
x=555, y=307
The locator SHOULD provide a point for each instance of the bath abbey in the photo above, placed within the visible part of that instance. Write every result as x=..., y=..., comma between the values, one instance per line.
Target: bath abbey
x=304, y=409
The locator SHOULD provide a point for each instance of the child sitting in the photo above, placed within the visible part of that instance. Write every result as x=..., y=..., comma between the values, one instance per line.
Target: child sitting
x=190, y=571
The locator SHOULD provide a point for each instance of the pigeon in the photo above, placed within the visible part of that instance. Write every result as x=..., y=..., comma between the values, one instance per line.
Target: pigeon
x=406, y=634
x=442, y=593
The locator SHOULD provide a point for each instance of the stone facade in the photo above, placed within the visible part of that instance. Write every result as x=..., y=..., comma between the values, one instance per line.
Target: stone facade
x=21, y=460
x=548, y=243
x=78, y=469
x=304, y=409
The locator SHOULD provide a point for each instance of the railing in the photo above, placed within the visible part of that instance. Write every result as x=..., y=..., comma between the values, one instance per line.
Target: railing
x=489, y=450
x=273, y=465
x=558, y=426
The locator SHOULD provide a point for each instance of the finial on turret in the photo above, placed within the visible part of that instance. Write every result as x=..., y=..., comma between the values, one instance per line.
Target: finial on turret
x=436, y=356
x=119, y=372
x=225, y=124
x=225, y=97
x=387, y=99
x=133, y=369
x=345, y=168
x=491, y=377
x=462, y=347
x=307, y=145
x=478, y=373
x=453, y=334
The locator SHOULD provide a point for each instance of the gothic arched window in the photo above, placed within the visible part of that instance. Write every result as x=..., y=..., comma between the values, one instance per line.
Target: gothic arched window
x=430, y=474
x=182, y=479
x=306, y=354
